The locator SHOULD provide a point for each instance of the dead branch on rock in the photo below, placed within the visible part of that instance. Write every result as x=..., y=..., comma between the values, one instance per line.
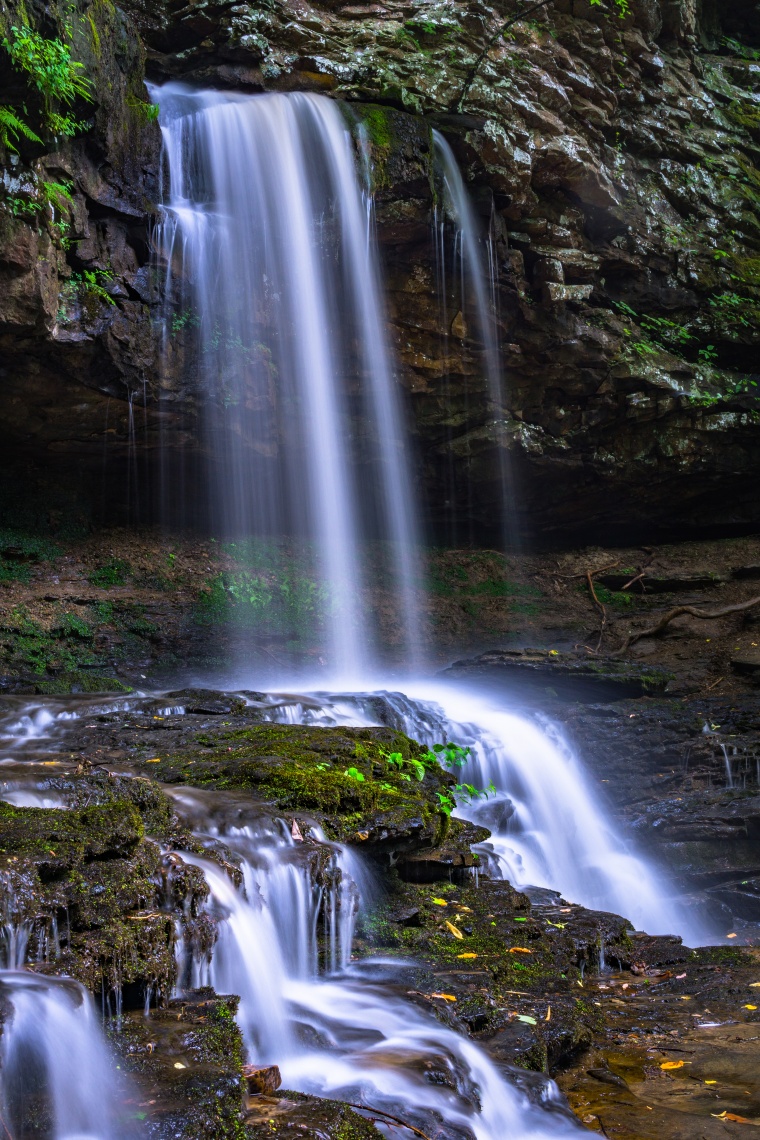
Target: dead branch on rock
x=679, y=611
x=388, y=1116
x=600, y=606
x=633, y=581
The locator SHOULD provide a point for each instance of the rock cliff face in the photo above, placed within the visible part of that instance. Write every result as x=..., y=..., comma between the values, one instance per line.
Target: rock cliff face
x=612, y=148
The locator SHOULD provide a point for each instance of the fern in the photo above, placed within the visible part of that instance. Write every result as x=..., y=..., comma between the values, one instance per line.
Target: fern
x=50, y=68
x=12, y=127
x=57, y=194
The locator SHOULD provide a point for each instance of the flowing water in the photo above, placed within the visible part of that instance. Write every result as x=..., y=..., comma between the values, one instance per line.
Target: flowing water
x=347, y=1029
x=474, y=279
x=55, y=1077
x=351, y=1034
x=268, y=257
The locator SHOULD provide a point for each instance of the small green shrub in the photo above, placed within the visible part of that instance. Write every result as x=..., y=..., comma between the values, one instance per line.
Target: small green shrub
x=112, y=573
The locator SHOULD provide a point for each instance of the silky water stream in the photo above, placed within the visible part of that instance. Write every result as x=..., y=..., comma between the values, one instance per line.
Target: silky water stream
x=337, y=1028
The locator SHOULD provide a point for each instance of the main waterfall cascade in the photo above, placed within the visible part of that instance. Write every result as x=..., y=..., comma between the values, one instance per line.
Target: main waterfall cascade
x=268, y=256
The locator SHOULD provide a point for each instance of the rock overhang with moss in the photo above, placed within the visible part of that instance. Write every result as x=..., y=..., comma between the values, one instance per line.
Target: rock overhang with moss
x=373, y=786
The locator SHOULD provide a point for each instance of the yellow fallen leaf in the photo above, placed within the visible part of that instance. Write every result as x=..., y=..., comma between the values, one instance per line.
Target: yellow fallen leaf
x=157, y=760
x=469, y=955
x=454, y=931
x=750, y=1007
x=439, y=902
x=672, y=1064
x=730, y=936
x=445, y=997
x=519, y=950
x=711, y=1082
x=548, y=1013
x=466, y=909
x=179, y=1065
x=754, y=985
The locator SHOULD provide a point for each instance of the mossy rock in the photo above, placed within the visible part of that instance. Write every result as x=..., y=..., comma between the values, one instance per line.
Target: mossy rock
x=340, y=776
x=190, y=1055
x=398, y=148
x=497, y=973
x=91, y=890
x=56, y=841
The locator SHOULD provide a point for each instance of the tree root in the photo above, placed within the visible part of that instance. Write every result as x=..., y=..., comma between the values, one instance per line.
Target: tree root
x=678, y=611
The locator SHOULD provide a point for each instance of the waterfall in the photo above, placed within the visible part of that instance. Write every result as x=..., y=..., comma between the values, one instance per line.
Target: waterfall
x=548, y=829
x=348, y=1035
x=269, y=263
x=54, y=1072
x=476, y=258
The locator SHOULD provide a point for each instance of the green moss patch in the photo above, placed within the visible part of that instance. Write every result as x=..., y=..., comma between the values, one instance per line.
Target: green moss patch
x=343, y=776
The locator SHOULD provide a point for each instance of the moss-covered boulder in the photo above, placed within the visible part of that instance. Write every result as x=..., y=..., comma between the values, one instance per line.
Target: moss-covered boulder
x=372, y=786
x=85, y=893
x=492, y=965
x=187, y=1060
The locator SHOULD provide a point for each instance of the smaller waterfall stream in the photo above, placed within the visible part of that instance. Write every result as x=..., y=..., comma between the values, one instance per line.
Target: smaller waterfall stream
x=351, y=1034
x=474, y=250
x=55, y=1078
x=548, y=828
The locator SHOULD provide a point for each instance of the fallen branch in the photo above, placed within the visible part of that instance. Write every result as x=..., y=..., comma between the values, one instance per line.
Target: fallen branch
x=666, y=619
x=602, y=610
x=388, y=1116
x=638, y=578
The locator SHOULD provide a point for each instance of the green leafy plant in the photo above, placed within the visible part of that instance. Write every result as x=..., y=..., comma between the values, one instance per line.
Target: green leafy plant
x=146, y=112
x=355, y=774
x=48, y=64
x=465, y=794
x=449, y=755
x=87, y=287
x=12, y=128
x=112, y=573
x=395, y=759
x=623, y=6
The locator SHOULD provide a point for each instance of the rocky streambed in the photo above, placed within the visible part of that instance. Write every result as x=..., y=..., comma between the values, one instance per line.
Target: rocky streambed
x=109, y=808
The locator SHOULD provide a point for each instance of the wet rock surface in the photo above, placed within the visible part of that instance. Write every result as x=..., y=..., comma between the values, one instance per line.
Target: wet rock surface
x=547, y=673
x=614, y=154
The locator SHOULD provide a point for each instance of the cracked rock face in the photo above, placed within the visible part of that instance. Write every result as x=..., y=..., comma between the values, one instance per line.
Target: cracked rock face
x=614, y=159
